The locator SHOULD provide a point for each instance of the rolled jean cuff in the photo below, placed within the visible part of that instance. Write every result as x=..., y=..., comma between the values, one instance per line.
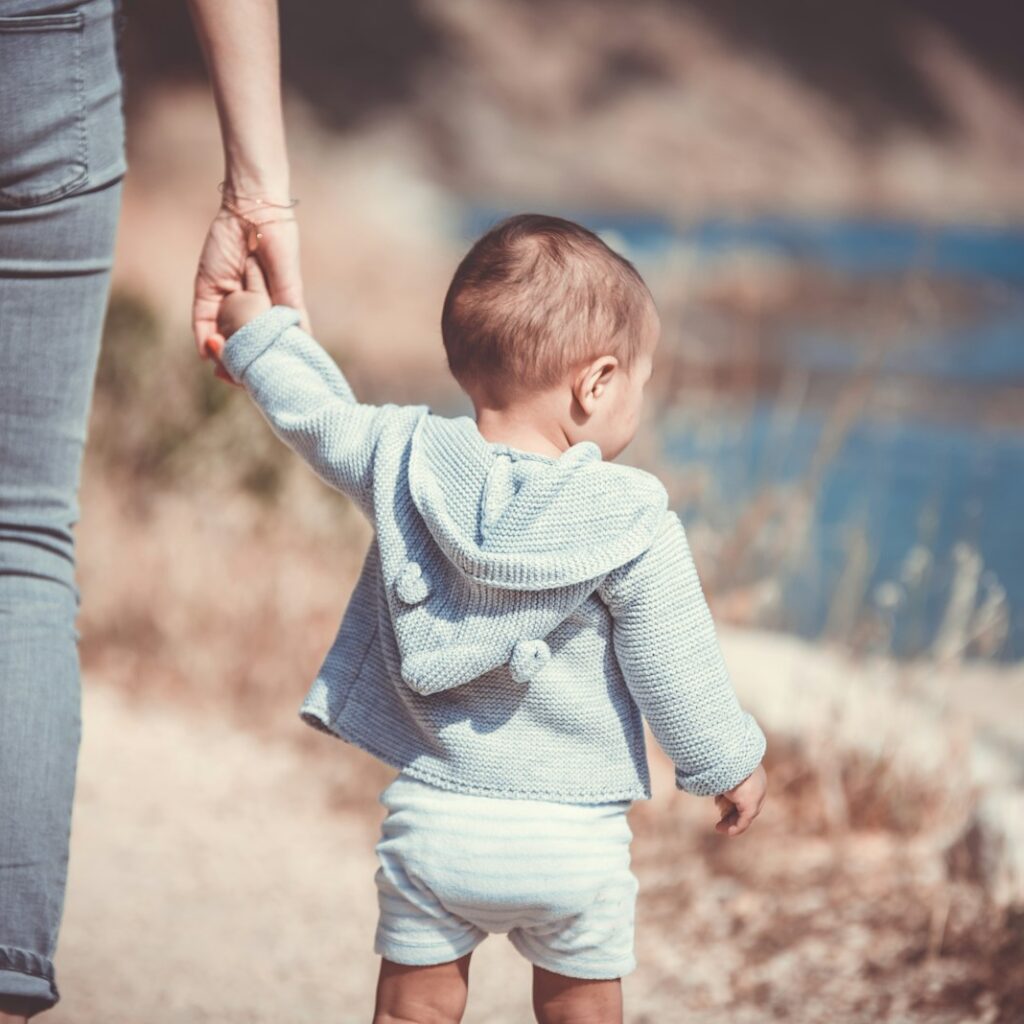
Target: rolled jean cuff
x=27, y=984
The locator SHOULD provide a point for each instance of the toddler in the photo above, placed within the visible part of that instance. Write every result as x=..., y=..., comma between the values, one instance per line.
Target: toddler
x=524, y=606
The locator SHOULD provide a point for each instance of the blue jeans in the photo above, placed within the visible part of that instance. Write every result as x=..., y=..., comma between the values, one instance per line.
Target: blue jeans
x=61, y=164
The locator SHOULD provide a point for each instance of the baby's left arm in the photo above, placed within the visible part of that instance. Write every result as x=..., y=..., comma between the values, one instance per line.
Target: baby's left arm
x=301, y=392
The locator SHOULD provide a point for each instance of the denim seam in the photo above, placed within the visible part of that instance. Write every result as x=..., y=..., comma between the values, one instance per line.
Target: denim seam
x=39, y=1002
x=11, y=969
x=7, y=963
x=82, y=153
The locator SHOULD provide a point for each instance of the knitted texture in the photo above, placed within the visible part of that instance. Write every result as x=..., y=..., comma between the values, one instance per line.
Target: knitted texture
x=517, y=615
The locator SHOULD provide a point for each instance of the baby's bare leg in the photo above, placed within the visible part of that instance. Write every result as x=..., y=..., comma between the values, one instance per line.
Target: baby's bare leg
x=561, y=1000
x=422, y=995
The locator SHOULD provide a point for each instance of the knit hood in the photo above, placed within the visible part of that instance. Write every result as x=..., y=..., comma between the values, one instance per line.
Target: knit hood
x=501, y=520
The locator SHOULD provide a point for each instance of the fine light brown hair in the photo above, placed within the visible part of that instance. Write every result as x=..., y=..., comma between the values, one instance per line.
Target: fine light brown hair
x=534, y=297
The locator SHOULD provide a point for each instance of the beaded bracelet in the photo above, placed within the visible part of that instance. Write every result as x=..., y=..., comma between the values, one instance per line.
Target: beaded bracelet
x=253, y=235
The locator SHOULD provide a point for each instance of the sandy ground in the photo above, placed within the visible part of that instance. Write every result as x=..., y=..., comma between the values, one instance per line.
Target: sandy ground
x=222, y=875
x=213, y=880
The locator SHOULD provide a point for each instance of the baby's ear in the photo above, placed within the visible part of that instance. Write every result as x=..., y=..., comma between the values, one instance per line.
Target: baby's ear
x=592, y=379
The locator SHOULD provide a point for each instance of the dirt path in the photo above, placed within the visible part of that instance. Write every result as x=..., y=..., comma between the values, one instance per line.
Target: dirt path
x=217, y=876
x=212, y=880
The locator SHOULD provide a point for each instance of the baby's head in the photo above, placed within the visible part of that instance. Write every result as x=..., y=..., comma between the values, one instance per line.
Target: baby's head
x=543, y=320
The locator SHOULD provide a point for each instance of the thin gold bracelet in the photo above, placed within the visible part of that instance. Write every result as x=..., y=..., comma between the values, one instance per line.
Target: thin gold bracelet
x=253, y=235
x=224, y=188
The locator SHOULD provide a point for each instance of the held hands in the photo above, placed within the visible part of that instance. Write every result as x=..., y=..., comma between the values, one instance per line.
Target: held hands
x=742, y=804
x=240, y=307
x=221, y=273
x=237, y=309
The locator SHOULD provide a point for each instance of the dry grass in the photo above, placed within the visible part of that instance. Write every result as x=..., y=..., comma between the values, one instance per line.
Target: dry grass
x=212, y=600
x=842, y=904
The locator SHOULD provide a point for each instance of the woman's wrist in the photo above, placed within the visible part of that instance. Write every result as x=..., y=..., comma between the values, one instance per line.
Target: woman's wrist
x=264, y=181
x=274, y=190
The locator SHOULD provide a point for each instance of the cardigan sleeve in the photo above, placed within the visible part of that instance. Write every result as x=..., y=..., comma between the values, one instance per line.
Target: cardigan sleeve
x=666, y=647
x=306, y=400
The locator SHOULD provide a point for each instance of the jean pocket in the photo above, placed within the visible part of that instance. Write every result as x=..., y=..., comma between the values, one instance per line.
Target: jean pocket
x=43, y=138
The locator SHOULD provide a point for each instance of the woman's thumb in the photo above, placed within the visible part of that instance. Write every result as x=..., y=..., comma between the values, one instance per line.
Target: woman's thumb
x=254, y=279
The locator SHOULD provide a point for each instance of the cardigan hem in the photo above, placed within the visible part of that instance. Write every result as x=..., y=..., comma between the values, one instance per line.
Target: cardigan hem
x=317, y=721
x=252, y=339
x=719, y=779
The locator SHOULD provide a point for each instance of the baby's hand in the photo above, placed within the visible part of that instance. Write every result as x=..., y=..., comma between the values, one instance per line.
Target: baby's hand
x=742, y=804
x=238, y=308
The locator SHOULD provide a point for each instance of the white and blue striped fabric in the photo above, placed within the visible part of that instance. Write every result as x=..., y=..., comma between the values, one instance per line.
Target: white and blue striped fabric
x=455, y=867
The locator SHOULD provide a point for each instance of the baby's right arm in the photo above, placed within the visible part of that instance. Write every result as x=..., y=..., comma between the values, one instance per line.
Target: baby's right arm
x=666, y=646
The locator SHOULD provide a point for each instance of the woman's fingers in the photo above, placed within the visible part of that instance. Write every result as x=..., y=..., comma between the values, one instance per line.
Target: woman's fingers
x=204, y=319
x=220, y=271
x=279, y=261
x=254, y=279
x=225, y=267
x=213, y=349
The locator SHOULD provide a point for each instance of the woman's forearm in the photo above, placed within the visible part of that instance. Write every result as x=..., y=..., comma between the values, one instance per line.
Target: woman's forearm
x=240, y=42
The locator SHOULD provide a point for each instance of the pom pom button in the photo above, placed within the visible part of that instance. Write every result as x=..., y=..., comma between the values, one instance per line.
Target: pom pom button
x=528, y=658
x=411, y=586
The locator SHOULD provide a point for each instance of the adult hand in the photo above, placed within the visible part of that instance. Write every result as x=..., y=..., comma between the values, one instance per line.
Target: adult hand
x=221, y=271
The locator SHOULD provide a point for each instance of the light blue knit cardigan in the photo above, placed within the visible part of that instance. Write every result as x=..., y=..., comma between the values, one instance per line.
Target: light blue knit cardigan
x=516, y=614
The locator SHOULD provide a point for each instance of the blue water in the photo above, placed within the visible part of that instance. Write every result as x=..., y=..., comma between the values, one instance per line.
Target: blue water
x=850, y=246
x=989, y=350
x=869, y=246
x=902, y=484
x=853, y=246
x=917, y=480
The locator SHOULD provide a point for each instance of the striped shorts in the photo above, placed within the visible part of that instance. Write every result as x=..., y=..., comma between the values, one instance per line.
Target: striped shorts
x=456, y=867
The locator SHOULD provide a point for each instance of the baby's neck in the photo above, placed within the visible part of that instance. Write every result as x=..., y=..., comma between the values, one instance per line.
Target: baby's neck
x=521, y=429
